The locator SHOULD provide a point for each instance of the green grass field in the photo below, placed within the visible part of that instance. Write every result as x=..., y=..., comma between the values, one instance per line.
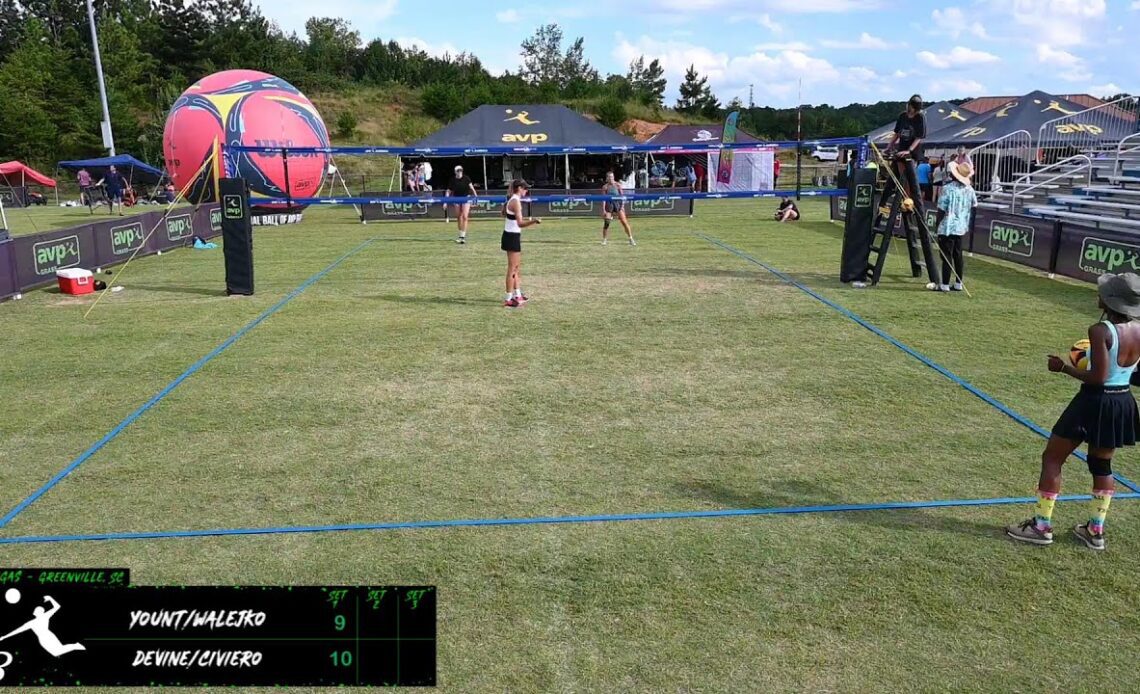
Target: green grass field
x=672, y=376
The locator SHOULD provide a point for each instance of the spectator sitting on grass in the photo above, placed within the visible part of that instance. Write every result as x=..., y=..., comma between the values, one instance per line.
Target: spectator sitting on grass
x=787, y=212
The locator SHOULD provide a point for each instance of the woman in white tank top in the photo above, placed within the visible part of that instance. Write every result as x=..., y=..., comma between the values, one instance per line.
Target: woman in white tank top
x=512, y=241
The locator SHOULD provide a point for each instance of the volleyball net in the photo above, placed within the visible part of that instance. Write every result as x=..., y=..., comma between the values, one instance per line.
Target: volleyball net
x=656, y=179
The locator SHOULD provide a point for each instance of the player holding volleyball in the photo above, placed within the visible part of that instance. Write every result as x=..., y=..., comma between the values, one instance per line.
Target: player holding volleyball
x=614, y=207
x=1103, y=414
x=512, y=241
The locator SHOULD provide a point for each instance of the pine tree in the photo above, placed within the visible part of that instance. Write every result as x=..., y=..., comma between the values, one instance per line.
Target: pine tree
x=692, y=92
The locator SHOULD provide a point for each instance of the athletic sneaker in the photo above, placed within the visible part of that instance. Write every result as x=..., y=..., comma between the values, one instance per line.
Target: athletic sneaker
x=605, y=242
x=461, y=240
x=956, y=287
x=943, y=287
x=632, y=242
x=511, y=303
x=522, y=299
x=1028, y=532
x=1092, y=541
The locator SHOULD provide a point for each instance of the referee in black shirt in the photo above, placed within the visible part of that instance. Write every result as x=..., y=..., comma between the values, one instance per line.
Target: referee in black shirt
x=461, y=187
x=906, y=146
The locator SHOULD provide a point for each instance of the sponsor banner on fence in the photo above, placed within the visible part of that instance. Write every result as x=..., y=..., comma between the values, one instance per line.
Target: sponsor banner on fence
x=489, y=204
x=1023, y=240
x=839, y=208
x=36, y=258
x=1086, y=253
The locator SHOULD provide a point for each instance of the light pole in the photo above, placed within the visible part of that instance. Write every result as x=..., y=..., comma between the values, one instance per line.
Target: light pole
x=108, y=137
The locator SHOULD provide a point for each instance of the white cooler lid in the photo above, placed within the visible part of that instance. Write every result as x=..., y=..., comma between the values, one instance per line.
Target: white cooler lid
x=73, y=273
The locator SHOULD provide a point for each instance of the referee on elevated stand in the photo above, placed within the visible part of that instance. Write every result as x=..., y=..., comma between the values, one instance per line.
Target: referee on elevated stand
x=906, y=146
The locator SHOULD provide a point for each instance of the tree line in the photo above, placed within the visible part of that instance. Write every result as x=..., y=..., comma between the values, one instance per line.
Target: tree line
x=153, y=49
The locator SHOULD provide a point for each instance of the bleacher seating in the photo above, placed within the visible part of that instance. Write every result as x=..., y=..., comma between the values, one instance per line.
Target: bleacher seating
x=1110, y=201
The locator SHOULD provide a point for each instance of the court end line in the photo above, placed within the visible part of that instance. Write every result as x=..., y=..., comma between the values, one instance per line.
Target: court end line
x=547, y=520
x=130, y=419
x=985, y=397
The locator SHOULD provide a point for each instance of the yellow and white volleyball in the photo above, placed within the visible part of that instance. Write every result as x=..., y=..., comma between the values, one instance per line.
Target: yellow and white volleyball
x=908, y=205
x=1079, y=354
x=11, y=596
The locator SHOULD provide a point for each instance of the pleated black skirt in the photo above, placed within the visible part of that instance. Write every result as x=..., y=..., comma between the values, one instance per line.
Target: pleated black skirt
x=1101, y=416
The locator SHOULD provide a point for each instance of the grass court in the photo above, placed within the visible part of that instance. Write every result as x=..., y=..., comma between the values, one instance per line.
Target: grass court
x=674, y=376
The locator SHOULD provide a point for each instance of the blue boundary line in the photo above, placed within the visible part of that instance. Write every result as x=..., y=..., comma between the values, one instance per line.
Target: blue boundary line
x=985, y=397
x=23, y=505
x=542, y=520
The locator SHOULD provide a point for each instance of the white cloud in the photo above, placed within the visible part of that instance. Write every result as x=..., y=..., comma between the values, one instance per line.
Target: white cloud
x=959, y=56
x=508, y=16
x=866, y=42
x=774, y=74
x=789, y=46
x=436, y=49
x=953, y=89
x=1135, y=6
x=1058, y=22
x=864, y=74
x=952, y=22
x=1109, y=89
x=1053, y=56
x=809, y=6
x=765, y=20
x=689, y=7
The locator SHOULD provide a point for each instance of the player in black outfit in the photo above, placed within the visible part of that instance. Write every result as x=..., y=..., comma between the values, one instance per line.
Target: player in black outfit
x=461, y=187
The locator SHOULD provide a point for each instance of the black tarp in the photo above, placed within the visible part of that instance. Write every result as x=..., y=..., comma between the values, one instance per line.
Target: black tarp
x=1029, y=113
x=527, y=125
x=940, y=118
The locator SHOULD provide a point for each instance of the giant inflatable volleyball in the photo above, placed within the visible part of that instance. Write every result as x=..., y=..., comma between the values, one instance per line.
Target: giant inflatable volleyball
x=249, y=108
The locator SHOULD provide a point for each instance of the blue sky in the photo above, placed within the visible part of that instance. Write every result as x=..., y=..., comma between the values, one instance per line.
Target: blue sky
x=843, y=50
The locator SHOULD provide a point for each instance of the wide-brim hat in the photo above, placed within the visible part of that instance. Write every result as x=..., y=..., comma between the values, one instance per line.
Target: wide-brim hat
x=961, y=172
x=1121, y=293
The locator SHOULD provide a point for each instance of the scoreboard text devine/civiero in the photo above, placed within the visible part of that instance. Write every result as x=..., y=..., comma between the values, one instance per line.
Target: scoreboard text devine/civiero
x=68, y=627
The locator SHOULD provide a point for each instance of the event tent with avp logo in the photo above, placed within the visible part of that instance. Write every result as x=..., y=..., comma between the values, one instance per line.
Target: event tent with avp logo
x=1029, y=114
x=751, y=169
x=940, y=118
x=527, y=125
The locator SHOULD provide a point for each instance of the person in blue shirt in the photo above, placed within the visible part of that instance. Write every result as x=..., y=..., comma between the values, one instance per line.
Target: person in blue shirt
x=955, y=211
x=925, y=183
x=1103, y=414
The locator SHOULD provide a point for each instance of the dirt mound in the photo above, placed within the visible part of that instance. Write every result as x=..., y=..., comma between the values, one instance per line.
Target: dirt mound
x=641, y=130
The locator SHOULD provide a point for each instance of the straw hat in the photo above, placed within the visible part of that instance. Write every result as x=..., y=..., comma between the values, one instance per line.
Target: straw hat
x=961, y=171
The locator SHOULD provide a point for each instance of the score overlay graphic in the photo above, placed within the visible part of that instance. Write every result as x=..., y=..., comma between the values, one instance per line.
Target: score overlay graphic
x=81, y=629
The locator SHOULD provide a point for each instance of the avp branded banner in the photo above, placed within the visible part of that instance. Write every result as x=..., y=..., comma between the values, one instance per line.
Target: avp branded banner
x=35, y=259
x=1023, y=240
x=838, y=208
x=1086, y=254
x=490, y=203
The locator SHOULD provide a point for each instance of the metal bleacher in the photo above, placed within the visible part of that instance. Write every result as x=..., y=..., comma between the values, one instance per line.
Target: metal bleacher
x=1110, y=200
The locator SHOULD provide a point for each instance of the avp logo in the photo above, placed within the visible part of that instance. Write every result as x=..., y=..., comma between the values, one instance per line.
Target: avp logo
x=179, y=227
x=126, y=239
x=1014, y=239
x=482, y=206
x=1074, y=128
x=571, y=206
x=523, y=118
x=55, y=255
x=704, y=136
x=216, y=219
x=400, y=209
x=653, y=205
x=863, y=194
x=1099, y=256
x=970, y=132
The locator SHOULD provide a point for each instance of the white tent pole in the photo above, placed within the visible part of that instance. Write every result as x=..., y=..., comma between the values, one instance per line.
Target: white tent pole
x=567, y=171
x=486, y=183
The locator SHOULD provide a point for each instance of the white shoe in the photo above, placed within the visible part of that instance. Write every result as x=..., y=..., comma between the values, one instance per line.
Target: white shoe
x=632, y=242
x=859, y=285
x=605, y=242
x=943, y=287
x=956, y=287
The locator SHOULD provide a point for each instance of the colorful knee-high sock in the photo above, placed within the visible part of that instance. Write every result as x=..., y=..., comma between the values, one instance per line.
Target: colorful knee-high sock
x=1101, y=498
x=1044, y=513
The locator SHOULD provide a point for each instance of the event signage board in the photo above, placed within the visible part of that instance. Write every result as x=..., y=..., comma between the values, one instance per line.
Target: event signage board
x=31, y=261
x=489, y=205
x=1017, y=238
x=1086, y=253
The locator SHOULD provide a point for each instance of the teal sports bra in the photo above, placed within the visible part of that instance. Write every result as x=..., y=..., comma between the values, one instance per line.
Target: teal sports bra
x=1117, y=375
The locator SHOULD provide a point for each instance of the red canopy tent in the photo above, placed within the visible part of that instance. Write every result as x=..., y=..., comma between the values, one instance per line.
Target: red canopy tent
x=15, y=173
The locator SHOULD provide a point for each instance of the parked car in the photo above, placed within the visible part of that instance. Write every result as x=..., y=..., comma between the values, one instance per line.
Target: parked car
x=826, y=154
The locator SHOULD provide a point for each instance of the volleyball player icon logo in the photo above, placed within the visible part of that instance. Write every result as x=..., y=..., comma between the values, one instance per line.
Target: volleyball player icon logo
x=39, y=625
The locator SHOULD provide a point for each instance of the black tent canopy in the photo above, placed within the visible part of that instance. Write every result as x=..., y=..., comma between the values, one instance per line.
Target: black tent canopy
x=940, y=117
x=525, y=125
x=1030, y=113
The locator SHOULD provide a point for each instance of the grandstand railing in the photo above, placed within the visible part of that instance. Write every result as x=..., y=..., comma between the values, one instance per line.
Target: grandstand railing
x=1121, y=149
x=1081, y=162
x=996, y=161
x=1083, y=132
